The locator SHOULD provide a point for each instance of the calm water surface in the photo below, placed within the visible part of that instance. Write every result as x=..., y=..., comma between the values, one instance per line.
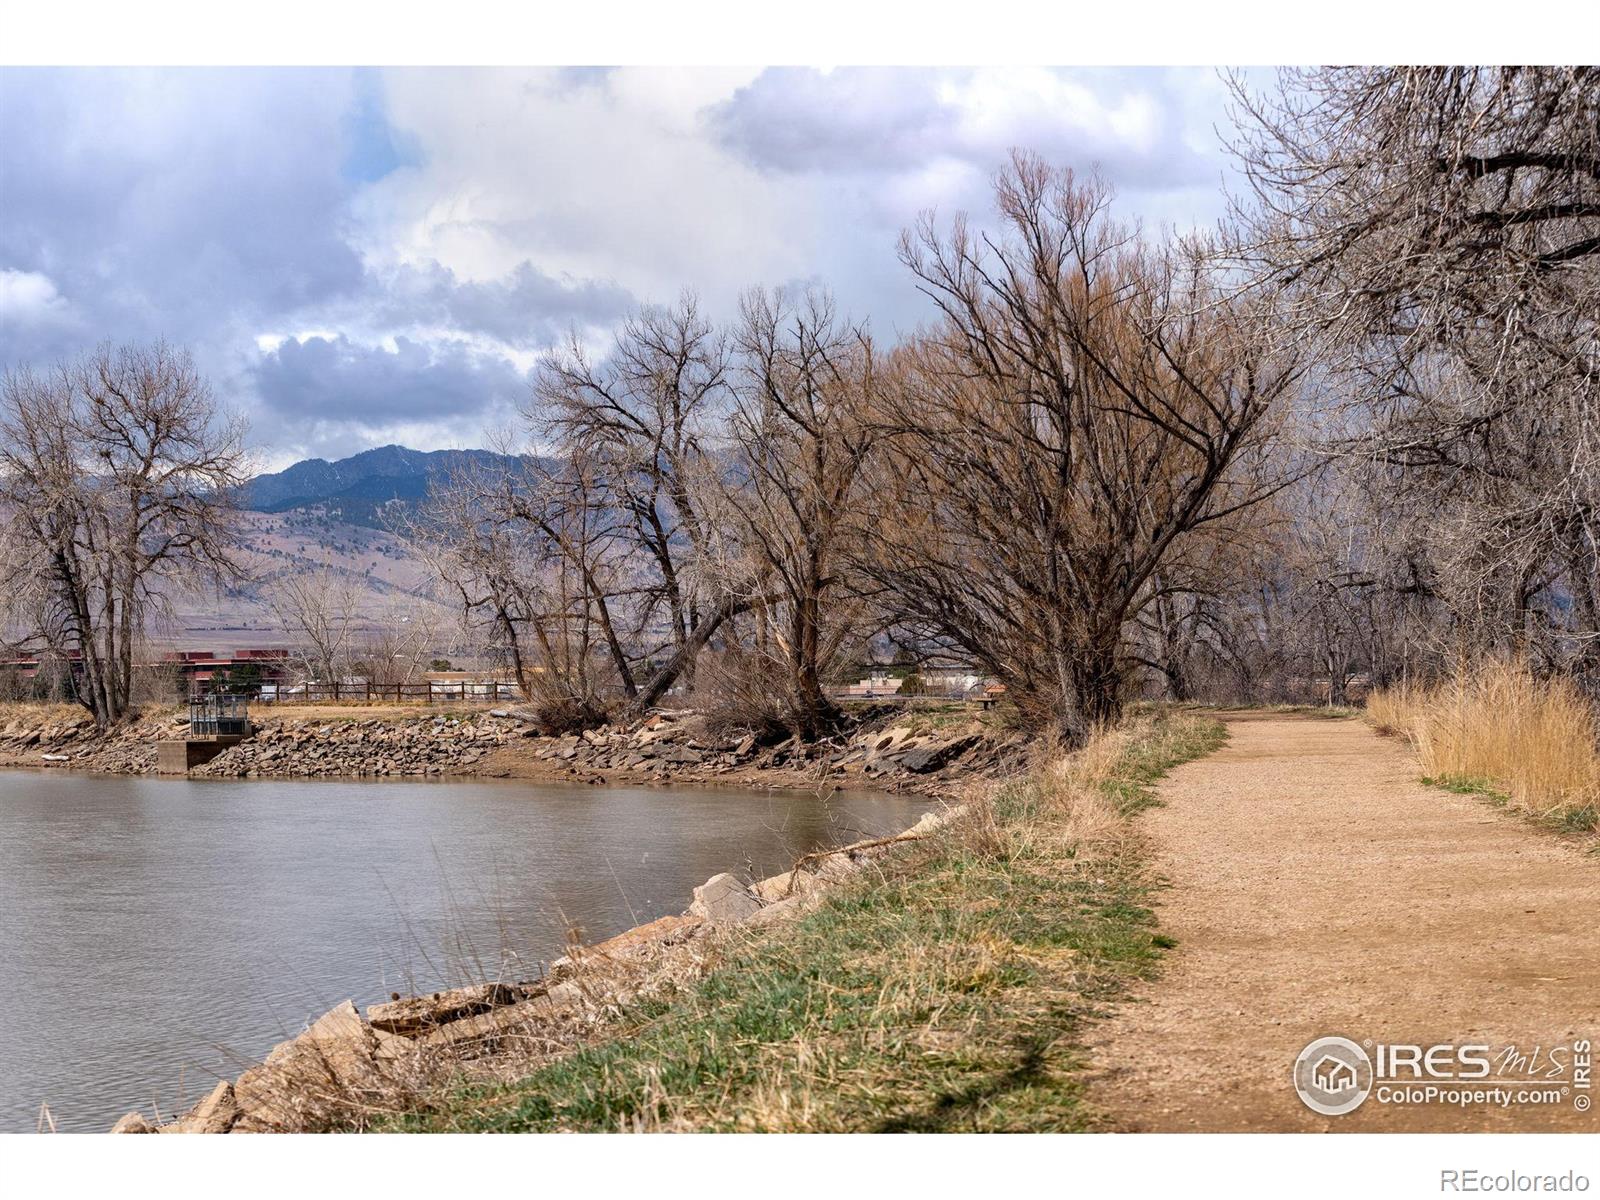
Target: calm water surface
x=156, y=935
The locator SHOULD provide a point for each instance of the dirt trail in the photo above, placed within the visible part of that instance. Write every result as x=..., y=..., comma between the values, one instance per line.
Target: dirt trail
x=1318, y=888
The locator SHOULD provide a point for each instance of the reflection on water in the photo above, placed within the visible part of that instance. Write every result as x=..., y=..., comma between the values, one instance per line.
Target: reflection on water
x=159, y=934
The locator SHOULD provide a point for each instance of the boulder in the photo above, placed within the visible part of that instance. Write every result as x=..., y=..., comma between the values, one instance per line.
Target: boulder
x=663, y=931
x=723, y=900
x=777, y=911
x=417, y=1014
x=889, y=739
x=392, y=1048
x=487, y=1028
x=332, y=1060
x=931, y=758
x=133, y=1123
x=215, y=1114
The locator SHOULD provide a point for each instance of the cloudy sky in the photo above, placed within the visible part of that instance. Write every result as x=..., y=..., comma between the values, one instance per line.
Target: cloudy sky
x=359, y=257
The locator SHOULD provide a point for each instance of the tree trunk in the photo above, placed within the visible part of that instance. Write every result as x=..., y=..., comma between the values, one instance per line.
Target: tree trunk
x=657, y=685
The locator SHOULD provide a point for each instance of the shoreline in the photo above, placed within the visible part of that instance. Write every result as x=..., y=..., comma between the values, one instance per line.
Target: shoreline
x=345, y=1058
x=886, y=752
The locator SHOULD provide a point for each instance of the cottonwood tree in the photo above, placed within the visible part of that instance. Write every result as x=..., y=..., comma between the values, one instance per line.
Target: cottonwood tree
x=118, y=470
x=1439, y=231
x=803, y=432
x=644, y=455
x=643, y=423
x=1083, y=403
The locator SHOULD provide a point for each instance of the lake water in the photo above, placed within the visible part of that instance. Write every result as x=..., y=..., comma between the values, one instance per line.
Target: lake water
x=156, y=935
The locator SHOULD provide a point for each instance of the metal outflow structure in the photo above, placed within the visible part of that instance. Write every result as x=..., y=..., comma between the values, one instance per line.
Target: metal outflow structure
x=219, y=715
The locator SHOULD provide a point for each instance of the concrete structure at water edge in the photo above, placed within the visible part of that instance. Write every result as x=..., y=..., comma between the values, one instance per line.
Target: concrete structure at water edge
x=216, y=722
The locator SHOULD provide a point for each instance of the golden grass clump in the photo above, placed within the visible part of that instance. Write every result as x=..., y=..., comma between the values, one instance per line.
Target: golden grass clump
x=1538, y=741
x=38, y=712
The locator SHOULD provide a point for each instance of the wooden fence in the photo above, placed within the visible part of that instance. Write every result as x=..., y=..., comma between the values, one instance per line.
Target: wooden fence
x=428, y=692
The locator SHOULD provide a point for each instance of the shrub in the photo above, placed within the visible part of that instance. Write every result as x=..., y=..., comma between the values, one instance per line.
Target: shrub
x=741, y=691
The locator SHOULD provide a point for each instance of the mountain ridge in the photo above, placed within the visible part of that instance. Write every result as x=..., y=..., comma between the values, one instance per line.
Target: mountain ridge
x=358, y=489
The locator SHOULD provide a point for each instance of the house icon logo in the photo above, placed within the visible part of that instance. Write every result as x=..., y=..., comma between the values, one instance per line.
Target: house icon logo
x=1332, y=1076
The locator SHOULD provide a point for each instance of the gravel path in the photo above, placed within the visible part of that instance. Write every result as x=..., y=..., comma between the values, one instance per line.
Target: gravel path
x=1317, y=888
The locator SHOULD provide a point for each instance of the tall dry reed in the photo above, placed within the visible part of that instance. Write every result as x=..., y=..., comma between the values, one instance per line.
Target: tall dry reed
x=1536, y=740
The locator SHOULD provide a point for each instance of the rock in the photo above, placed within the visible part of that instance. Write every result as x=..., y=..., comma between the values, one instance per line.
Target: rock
x=570, y=992
x=931, y=758
x=487, y=1027
x=330, y=1061
x=777, y=911
x=215, y=1114
x=133, y=1123
x=775, y=887
x=746, y=744
x=723, y=900
x=889, y=739
x=392, y=1047
x=417, y=1014
x=662, y=931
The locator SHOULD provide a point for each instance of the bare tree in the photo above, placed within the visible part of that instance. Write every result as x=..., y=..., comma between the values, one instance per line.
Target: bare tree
x=119, y=470
x=524, y=553
x=483, y=561
x=641, y=422
x=396, y=647
x=803, y=430
x=1439, y=231
x=321, y=609
x=1083, y=404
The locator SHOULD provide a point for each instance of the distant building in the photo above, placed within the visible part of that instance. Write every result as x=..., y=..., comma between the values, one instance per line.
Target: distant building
x=878, y=683
x=198, y=670
x=955, y=680
x=202, y=669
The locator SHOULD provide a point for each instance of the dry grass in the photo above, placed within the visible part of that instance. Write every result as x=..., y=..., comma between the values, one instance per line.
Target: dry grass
x=33, y=713
x=1497, y=728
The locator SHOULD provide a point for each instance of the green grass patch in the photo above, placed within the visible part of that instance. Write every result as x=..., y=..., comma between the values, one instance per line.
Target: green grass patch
x=1466, y=785
x=1575, y=820
x=946, y=992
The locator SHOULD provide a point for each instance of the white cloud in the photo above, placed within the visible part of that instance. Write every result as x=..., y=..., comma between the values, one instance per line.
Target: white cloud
x=384, y=257
x=30, y=298
x=611, y=176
